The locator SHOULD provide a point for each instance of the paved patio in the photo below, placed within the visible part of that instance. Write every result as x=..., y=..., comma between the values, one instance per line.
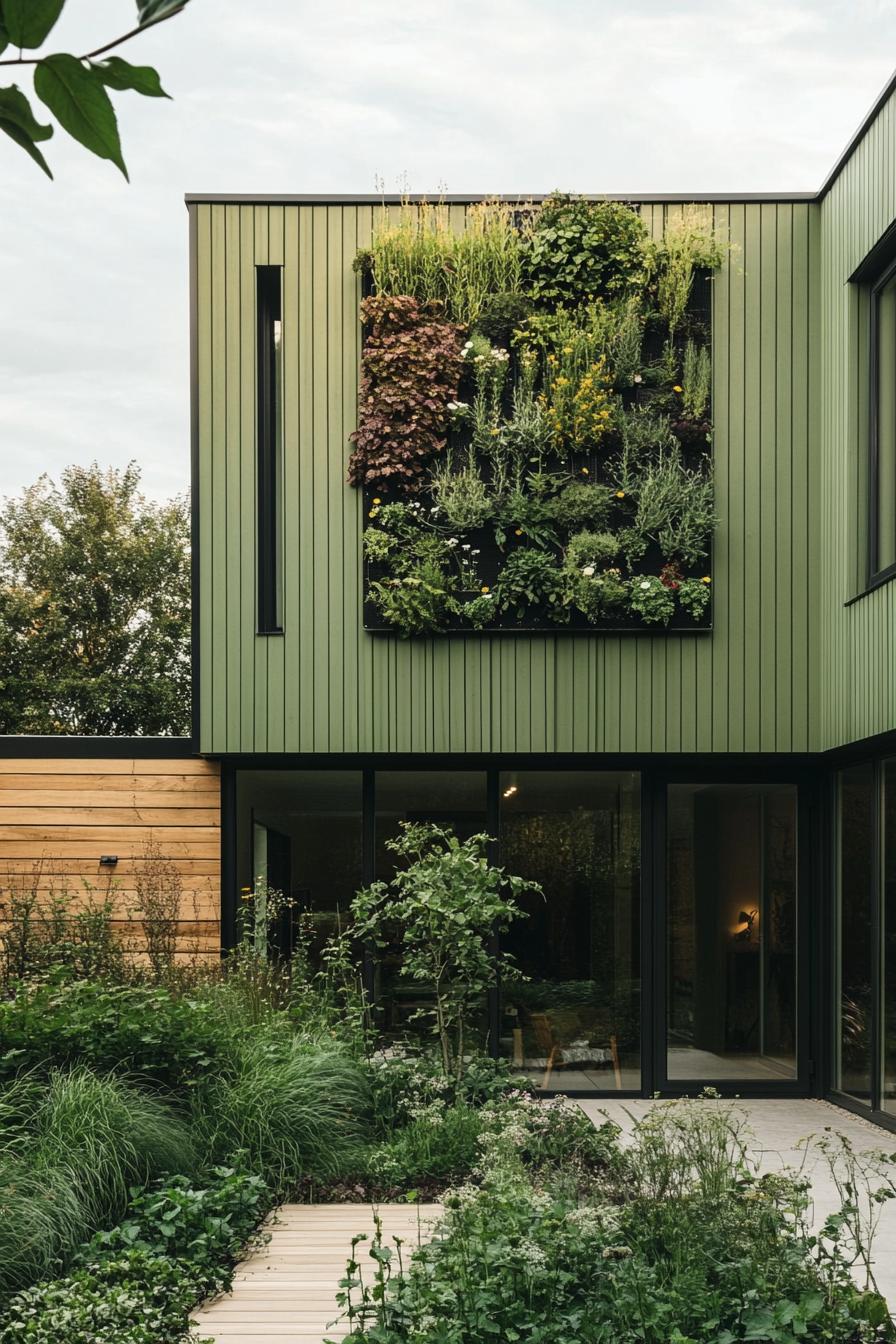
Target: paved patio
x=778, y=1126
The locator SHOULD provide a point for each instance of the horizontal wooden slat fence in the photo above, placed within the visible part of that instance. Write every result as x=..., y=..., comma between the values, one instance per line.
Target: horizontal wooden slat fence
x=59, y=816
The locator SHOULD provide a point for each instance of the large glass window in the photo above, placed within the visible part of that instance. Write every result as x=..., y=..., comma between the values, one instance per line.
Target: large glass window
x=854, y=941
x=731, y=932
x=574, y=1022
x=453, y=799
x=888, y=859
x=300, y=830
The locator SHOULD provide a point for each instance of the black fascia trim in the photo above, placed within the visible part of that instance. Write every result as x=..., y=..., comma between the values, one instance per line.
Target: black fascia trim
x=195, y=718
x=695, y=767
x=879, y=581
x=867, y=748
x=877, y=260
x=65, y=747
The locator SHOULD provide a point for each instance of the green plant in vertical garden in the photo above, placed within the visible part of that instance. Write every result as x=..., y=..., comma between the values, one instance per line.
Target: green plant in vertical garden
x=440, y=914
x=578, y=249
x=696, y=381
x=529, y=578
x=690, y=242
x=674, y=508
x=421, y=599
x=694, y=595
x=416, y=251
x=651, y=599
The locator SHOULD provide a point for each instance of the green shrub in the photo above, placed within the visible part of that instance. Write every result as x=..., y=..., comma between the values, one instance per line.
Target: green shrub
x=579, y=505
x=292, y=1107
x=649, y=598
x=579, y=250
x=479, y=611
x=604, y=593
x=134, y=1299
x=438, y=1142
x=170, y=1040
x=529, y=578
x=200, y=1222
x=591, y=550
x=694, y=596
x=675, y=1240
x=501, y=314
x=421, y=599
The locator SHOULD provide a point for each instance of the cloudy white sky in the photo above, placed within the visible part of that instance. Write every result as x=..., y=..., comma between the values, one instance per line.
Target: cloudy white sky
x=467, y=95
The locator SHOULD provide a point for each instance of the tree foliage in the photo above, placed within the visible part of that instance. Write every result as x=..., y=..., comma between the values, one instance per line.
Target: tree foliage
x=94, y=608
x=72, y=88
x=441, y=914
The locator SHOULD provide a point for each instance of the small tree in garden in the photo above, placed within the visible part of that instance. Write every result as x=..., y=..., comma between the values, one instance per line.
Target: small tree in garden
x=441, y=914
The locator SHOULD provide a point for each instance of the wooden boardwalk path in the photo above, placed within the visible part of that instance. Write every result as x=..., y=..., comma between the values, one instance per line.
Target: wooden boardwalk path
x=285, y=1292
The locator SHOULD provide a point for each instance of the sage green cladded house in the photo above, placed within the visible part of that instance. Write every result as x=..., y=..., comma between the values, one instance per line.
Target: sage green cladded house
x=708, y=802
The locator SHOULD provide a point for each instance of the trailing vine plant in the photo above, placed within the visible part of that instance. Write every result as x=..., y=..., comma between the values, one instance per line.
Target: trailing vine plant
x=534, y=434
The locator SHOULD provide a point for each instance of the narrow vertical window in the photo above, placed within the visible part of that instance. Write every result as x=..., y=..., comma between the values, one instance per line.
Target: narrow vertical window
x=270, y=449
x=882, y=473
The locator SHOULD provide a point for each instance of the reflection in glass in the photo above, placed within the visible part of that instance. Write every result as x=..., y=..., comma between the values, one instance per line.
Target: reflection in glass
x=888, y=860
x=300, y=830
x=453, y=799
x=574, y=1023
x=854, y=931
x=731, y=932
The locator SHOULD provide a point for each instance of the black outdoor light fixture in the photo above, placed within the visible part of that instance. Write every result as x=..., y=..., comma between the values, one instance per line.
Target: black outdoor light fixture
x=108, y=860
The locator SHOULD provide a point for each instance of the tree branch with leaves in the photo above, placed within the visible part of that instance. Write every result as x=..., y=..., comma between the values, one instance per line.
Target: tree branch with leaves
x=73, y=88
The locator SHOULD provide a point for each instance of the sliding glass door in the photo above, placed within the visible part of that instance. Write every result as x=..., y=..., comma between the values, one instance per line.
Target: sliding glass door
x=731, y=933
x=864, y=1066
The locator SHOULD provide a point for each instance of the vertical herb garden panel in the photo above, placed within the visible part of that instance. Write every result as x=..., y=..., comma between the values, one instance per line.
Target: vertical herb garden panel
x=534, y=434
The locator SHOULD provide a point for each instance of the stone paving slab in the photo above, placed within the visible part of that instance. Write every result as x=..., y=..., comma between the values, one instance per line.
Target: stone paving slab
x=778, y=1126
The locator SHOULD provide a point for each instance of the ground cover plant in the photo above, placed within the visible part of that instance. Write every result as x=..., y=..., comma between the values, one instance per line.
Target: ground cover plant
x=674, y=1238
x=534, y=433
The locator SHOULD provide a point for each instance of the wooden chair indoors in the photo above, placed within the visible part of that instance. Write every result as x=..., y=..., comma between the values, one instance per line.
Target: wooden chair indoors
x=552, y=1050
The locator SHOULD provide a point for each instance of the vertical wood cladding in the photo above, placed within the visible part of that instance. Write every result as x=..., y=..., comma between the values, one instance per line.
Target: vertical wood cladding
x=325, y=686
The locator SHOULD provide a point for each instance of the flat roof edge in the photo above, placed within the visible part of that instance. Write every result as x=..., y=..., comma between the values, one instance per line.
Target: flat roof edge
x=362, y=198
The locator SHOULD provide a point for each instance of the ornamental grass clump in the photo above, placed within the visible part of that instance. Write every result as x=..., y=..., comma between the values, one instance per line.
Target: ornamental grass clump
x=416, y=250
x=292, y=1107
x=72, y=1149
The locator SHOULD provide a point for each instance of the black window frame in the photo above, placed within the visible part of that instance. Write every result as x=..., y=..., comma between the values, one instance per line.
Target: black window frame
x=876, y=575
x=269, y=466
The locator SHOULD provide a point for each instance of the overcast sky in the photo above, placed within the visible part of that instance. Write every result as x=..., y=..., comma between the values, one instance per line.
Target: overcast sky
x=465, y=95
